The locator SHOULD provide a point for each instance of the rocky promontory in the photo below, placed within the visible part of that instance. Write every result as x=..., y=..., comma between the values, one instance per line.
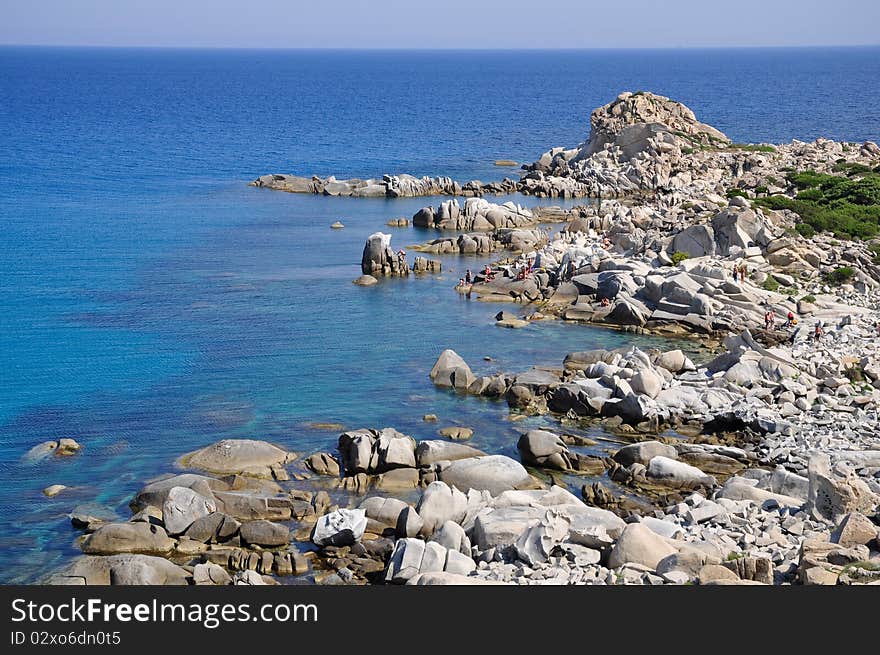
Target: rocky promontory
x=757, y=465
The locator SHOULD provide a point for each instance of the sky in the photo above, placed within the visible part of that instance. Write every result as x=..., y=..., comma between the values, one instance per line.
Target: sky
x=440, y=24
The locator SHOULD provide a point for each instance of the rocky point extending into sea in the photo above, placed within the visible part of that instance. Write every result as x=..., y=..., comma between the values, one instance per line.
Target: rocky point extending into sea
x=760, y=465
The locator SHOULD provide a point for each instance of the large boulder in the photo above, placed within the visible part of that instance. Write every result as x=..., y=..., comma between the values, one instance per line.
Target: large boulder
x=343, y=527
x=633, y=408
x=264, y=533
x=213, y=528
x=139, y=537
x=123, y=569
x=412, y=557
x=535, y=545
x=503, y=526
x=379, y=259
x=243, y=456
x=392, y=513
x=647, y=382
x=208, y=573
x=675, y=361
x=739, y=227
x=695, y=241
x=323, y=464
x=452, y=536
x=639, y=545
x=450, y=370
x=626, y=312
x=738, y=488
x=831, y=496
x=544, y=449
x=153, y=494
x=441, y=503
x=246, y=506
x=493, y=473
x=182, y=507
x=673, y=473
x=855, y=529
x=643, y=452
x=376, y=451
x=431, y=452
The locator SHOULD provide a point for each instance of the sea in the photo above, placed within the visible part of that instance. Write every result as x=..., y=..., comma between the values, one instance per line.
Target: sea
x=151, y=302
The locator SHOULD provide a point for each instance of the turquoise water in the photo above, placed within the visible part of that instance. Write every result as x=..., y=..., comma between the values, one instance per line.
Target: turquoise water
x=151, y=302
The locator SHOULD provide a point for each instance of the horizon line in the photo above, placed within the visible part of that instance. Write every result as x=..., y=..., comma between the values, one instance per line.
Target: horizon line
x=431, y=49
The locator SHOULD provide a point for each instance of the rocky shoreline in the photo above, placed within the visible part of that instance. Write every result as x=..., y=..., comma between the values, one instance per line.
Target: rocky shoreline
x=759, y=466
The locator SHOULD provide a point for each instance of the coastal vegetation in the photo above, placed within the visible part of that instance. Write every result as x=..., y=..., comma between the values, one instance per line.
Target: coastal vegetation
x=754, y=147
x=840, y=275
x=770, y=284
x=846, y=205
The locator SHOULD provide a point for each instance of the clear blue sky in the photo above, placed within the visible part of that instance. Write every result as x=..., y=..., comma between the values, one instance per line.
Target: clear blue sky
x=440, y=24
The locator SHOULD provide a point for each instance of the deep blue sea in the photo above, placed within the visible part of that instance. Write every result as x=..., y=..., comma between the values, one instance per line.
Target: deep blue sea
x=151, y=302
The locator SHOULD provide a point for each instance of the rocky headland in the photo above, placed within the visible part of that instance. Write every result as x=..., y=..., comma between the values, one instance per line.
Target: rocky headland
x=760, y=465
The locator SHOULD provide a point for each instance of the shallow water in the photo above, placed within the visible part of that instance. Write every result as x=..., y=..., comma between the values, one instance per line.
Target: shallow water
x=151, y=302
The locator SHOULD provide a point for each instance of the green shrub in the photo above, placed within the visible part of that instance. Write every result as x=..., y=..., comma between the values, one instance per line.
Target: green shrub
x=770, y=284
x=850, y=168
x=805, y=230
x=678, y=257
x=687, y=151
x=839, y=276
x=754, y=147
x=761, y=189
x=732, y=193
x=810, y=298
x=832, y=203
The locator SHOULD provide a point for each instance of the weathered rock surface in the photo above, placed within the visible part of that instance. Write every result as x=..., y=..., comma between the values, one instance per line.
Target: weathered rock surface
x=340, y=528
x=244, y=456
x=142, y=538
x=182, y=507
x=493, y=473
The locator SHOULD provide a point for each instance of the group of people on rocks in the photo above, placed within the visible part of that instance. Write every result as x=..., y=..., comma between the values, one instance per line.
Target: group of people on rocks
x=791, y=321
x=770, y=320
x=522, y=272
x=525, y=271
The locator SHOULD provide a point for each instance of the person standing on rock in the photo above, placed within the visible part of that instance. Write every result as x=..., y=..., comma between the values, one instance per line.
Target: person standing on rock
x=468, y=278
x=790, y=317
x=818, y=332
